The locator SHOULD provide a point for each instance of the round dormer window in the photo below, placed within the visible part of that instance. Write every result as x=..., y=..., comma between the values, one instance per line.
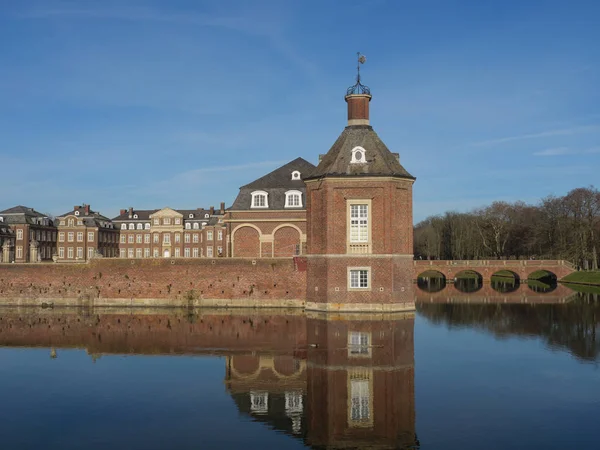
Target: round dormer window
x=135, y=216
x=295, y=175
x=359, y=155
x=76, y=213
x=191, y=216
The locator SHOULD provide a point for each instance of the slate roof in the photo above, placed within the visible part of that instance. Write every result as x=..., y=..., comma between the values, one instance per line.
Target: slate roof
x=93, y=219
x=380, y=161
x=21, y=214
x=144, y=214
x=276, y=184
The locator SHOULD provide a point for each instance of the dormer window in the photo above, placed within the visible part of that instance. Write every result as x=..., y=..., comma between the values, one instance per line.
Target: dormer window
x=191, y=216
x=196, y=226
x=123, y=226
x=139, y=226
x=135, y=216
x=146, y=226
x=293, y=199
x=295, y=175
x=260, y=199
x=76, y=213
x=358, y=155
x=188, y=226
x=206, y=216
x=132, y=226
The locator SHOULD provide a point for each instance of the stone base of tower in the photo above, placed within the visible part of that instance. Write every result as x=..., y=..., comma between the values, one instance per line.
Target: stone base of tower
x=390, y=284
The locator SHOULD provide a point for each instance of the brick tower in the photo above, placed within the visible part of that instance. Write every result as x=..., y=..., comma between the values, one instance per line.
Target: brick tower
x=359, y=221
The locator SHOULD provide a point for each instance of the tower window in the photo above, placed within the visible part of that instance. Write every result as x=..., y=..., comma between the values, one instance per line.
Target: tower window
x=359, y=278
x=358, y=155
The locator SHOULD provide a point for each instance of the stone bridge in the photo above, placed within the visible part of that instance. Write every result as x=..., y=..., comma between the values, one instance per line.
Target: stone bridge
x=521, y=269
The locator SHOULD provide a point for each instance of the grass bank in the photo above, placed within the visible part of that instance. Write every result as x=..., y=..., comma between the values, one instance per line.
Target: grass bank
x=583, y=277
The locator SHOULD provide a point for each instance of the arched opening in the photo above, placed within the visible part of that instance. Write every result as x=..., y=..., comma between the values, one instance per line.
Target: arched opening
x=505, y=281
x=286, y=242
x=542, y=281
x=246, y=242
x=468, y=281
x=167, y=253
x=431, y=281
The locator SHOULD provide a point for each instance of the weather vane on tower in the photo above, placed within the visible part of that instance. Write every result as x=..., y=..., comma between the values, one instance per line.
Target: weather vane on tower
x=359, y=88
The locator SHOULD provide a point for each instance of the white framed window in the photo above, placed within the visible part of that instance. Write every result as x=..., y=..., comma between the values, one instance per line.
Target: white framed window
x=131, y=238
x=359, y=278
x=140, y=226
x=79, y=236
x=146, y=238
x=90, y=252
x=130, y=253
x=19, y=252
x=359, y=223
x=188, y=226
x=259, y=402
x=132, y=226
x=19, y=235
x=359, y=343
x=167, y=238
x=195, y=252
x=293, y=199
x=220, y=235
x=219, y=251
x=167, y=221
x=70, y=252
x=138, y=238
x=135, y=216
x=61, y=236
x=209, y=235
x=156, y=238
x=80, y=252
x=186, y=238
x=206, y=216
x=359, y=156
x=155, y=253
x=156, y=221
x=177, y=238
x=138, y=253
x=360, y=401
x=122, y=253
x=260, y=199
x=123, y=239
x=177, y=221
x=71, y=236
x=209, y=252
x=196, y=226
x=295, y=175
x=177, y=252
x=186, y=252
x=123, y=226
x=146, y=226
x=147, y=252
x=191, y=216
x=293, y=402
x=195, y=238
x=61, y=252
x=90, y=236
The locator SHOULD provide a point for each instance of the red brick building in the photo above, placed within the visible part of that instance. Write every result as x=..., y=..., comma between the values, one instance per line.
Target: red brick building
x=170, y=233
x=268, y=217
x=359, y=221
x=84, y=234
x=34, y=235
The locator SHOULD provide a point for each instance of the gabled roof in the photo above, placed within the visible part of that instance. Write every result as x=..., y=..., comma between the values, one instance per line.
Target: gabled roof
x=22, y=210
x=282, y=177
x=143, y=214
x=380, y=161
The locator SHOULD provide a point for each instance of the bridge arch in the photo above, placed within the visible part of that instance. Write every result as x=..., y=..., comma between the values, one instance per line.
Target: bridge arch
x=542, y=281
x=505, y=281
x=468, y=281
x=431, y=281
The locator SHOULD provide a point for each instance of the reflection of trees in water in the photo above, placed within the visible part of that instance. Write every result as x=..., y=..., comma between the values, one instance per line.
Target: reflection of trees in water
x=574, y=326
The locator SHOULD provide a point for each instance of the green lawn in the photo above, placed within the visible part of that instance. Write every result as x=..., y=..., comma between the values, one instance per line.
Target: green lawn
x=587, y=277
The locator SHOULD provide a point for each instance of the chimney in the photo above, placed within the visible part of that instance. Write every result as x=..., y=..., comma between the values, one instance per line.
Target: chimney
x=123, y=211
x=76, y=207
x=86, y=209
x=130, y=212
x=212, y=211
x=358, y=109
x=222, y=211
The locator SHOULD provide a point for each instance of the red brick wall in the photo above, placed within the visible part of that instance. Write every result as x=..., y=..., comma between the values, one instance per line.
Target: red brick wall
x=285, y=241
x=226, y=278
x=246, y=243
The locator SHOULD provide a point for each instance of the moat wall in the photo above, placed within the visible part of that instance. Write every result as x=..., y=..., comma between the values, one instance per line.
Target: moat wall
x=277, y=282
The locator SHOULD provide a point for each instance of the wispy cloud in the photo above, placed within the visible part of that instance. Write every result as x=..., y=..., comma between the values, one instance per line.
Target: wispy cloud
x=550, y=133
x=560, y=151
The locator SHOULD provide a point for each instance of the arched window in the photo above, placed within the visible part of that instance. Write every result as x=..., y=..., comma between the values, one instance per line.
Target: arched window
x=358, y=155
x=123, y=226
x=71, y=222
x=140, y=226
x=293, y=199
x=260, y=199
x=206, y=216
x=146, y=226
x=188, y=226
x=191, y=216
x=196, y=226
x=295, y=175
x=132, y=226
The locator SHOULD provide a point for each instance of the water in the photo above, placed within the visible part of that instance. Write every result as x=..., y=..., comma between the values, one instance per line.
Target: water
x=455, y=375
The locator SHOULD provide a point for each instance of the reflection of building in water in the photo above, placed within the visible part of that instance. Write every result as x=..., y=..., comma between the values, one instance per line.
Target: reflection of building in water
x=361, y=383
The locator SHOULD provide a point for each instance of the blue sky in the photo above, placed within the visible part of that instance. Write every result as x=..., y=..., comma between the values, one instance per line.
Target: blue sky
x=153, y=103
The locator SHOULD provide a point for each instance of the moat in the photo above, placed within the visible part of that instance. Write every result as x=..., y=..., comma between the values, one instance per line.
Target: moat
x=451, y=375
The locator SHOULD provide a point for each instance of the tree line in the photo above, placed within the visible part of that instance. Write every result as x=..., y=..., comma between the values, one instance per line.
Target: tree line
x=566, y=227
